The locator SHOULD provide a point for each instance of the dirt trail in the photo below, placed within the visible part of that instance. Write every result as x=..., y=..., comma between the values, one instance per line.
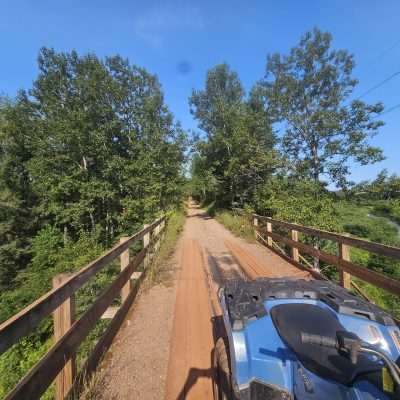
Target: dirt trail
x=164, y=349
x=190, y=369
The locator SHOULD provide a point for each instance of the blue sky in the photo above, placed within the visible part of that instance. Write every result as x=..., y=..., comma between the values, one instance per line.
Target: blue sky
x=180, y=40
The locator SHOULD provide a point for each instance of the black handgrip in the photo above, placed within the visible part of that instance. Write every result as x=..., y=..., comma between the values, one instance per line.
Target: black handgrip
x=308, y=338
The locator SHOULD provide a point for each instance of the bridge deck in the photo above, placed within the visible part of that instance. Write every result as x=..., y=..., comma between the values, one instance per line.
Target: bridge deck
x=206, y=256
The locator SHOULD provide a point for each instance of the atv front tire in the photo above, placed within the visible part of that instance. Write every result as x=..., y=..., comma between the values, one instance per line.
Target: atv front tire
x=222, y=372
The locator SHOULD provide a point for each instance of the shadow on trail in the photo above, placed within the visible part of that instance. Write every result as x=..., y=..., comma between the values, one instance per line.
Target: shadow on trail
x=195, y=374
x=219, y=274
x=202, y=215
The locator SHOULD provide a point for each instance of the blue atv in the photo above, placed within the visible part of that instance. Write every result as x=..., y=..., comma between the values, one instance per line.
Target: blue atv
x=306, y=340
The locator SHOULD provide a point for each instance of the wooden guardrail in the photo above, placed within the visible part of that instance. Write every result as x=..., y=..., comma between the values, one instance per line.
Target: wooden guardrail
x=58, y=363
x=264, y=231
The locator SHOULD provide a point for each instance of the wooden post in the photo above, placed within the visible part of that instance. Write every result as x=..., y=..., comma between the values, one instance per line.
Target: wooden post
x=255, y=223
x=295, y=250
x=146, y=243
x=162, y=227
x=63, y=318
x=126, y=289
x=344, y=254
x=269, y=238
x=157, y=231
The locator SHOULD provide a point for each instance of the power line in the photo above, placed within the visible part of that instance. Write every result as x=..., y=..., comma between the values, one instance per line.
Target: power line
x=379, y=57
x=389, y=110
x=378, y=85
x=382, y=53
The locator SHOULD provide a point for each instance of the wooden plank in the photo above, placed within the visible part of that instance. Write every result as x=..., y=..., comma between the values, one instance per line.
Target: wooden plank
x=345, y=277
x=38, y=379
x=330, y=259
x=269, y=229
x=136, y=275
x=378, y=248
x=23, y=322
x=255, y=223
x=110, y=312
x=146, y=243
x=281, y=253
x=295, y=250
x=63, y=317
x=375, y=278
x=124, y=261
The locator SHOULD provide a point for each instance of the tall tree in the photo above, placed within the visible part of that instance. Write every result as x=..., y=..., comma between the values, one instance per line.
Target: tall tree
x=307, y=92
x=17, y=200
x=237, y=148
x=91, y=147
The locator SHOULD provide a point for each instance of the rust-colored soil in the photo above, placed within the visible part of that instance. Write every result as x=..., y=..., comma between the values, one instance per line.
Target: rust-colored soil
x=190, y=369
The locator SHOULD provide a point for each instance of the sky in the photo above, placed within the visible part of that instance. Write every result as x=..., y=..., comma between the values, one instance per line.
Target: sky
x=180, y=40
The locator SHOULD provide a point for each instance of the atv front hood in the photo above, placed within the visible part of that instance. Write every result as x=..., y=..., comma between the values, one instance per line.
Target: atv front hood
x=263, y=367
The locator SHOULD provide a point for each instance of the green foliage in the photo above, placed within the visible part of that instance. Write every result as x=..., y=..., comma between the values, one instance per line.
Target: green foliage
x=174, y=227
x=49, y=257
x=359, y=218
x=21, y=357
x=91, y=147
x=356, y=218
x=298, y=201
x=17, y=219
x=238, y=224
x=203, y=184
x=381, y=298
x=236, y=154
x=389, y=209
x=383, y=187
x=89, y=153
x=306, y=92
x=211, y=209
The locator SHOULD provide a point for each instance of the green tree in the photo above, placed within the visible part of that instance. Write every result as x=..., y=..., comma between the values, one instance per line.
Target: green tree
x=294, y=200
x=237, y=147
x=90, y=152
x=306, y=93
x=92, y=146
x=106, y=151
x=203, y=184
x=17, y=200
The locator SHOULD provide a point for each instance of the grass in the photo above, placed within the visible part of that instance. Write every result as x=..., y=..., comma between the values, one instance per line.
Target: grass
x=93, y=388
x=239, y=225
x=173, y=230
x=360, y=220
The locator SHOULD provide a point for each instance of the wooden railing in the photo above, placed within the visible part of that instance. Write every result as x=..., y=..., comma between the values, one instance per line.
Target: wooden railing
x=347, y=269
x=59, y=362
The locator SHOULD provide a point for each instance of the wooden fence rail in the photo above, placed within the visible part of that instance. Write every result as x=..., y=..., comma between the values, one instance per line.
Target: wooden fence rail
x=58, y=362
x=264, y=229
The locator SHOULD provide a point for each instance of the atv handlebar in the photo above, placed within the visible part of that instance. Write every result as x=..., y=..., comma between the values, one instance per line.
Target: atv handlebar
x=308, y=338
x=350, y=345
x=346, y=343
